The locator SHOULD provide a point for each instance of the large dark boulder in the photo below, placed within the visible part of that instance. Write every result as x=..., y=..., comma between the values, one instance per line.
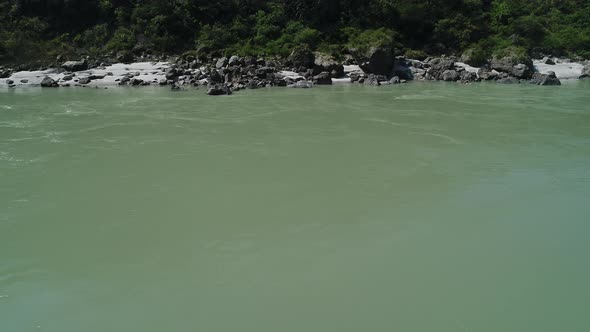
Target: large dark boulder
x=327, y=63
x=376, y=60
x=402, y=69
x=48, y=82
x=468, y=77
x=585, y=72
x=522, y=71
x=323, y=78
x=5, y=73
x=218, y=89
x=450, y=75
x=545, y=79
x=301, y=57
x=548, y=61
x=438, y=66
x=75, y=65
x=215, y=77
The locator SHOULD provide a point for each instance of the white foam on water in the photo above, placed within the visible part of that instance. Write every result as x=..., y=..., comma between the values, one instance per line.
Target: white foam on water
x=563, y=69
x=467, y=67
x=352, y=69
x=290, y=74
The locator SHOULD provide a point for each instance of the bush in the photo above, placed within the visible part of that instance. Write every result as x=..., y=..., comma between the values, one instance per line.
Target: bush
x=123, y=39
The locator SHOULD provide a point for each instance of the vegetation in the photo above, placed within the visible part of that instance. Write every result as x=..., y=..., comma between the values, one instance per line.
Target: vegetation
x=32, y=30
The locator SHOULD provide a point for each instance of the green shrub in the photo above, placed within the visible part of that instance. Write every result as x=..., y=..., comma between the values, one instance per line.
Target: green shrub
x=123, y=39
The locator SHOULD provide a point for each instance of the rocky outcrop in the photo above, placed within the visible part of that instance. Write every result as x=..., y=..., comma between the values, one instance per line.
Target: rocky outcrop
x=84, y=80
x=75, y=65
x=450, y=75
x=468, y=77
x=222, y=62
x=48, y=82
x=585, y=72
x=521, y=71
x=301, y=57
x=218, y=89
x=487, y=73
x=438, y=66
x=303, y=84
x=376, y=60
x=372, y=79
x=327, y=63
x=545, y=79
x=323, y=78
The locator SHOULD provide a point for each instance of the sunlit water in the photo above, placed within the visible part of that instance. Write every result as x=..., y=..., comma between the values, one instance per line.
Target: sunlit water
x=423, y=207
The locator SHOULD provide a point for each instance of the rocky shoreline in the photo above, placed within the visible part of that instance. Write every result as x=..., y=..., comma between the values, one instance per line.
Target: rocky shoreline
x=302, y=69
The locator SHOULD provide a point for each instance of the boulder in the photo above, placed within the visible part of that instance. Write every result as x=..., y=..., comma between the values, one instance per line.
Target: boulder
x=548, y=61
x=328, y=63
x=136, y=81
x=234, y=61
x=450, y=75
x=222, y=62
x=215, y=77
x=394, y=80
x=438, y=66
x=301, y=57
x=486, y=73
x=402, y=68
x=585, y=72
x=84, y=80
x=323, y=78
x=545, y=79
x=75, y=65
x=218, y=89
x=376, y=60
x=372, y=79
x=521, y=71
x=506, y=64
x=303, y=84
x=5, y=73
x=468, y=77
x=48, y=82
x=9, y=82
x=172, y=73
x=24, y=80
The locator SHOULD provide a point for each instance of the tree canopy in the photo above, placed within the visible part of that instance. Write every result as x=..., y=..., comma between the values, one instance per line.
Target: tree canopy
x=42, y=29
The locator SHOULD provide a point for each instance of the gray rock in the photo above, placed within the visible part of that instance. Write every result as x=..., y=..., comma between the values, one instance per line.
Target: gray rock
x=450, y=75
x=486, y=73
x=402, y=68
x=328, y=63
x=376, y=60
x=24, y=81
x=222, y=62
x=163, y=81
x=521, y=71
x=75, y=65
x=372, y=79
x=215, y=77
x=439, y=66
x=48, y=82
x=507, y=65
x=323, y=78
x=303, y=84
x=136, y=81
x=172, y=73
x=548, y=61
x=234, y=60
x=468, y=77
x=67, y=78
x=218, y=89
x=545, y=79
x=394, y=80
x=5, y=73
x=9, y=82
x=585, y=72
x=84, y=80
x=301, y=57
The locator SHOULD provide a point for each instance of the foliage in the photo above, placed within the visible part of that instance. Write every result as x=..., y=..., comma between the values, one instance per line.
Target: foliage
x=30, y=31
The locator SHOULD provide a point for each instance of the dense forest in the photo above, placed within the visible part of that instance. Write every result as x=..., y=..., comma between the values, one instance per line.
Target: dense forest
x=32, y=30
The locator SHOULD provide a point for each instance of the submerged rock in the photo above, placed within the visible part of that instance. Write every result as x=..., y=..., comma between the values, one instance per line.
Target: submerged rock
x=303, y=84
x=218, y=89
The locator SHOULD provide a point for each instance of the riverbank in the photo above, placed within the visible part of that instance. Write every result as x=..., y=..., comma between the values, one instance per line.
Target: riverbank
x=302, y=69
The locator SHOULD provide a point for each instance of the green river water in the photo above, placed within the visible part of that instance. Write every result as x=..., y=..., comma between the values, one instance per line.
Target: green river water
x=422, y=207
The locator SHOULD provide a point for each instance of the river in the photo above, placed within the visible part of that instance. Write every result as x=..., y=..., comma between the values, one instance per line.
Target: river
x=419, y=207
